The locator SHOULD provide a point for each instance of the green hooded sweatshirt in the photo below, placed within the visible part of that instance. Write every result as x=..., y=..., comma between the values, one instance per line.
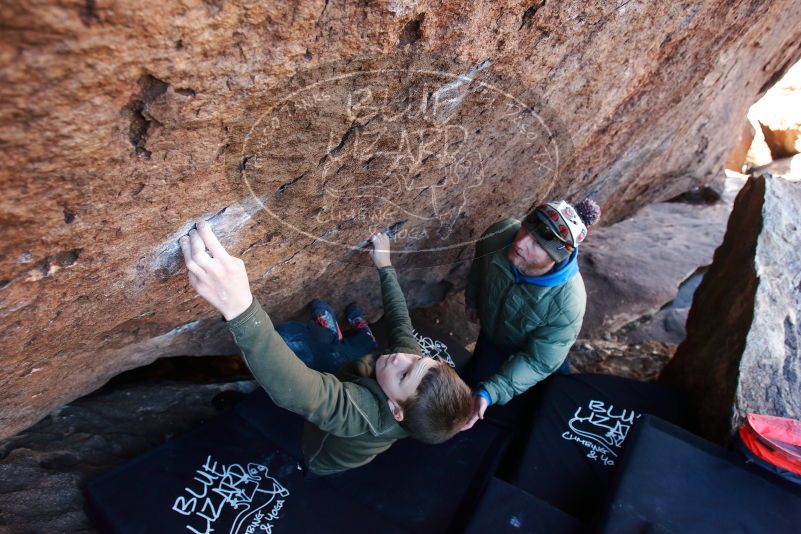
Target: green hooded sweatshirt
x=348, y=420
x=537, y=325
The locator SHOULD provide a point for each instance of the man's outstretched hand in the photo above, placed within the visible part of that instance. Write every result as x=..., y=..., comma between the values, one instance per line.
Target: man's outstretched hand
x=380, y=252
x=479, y=407
x=219, y=278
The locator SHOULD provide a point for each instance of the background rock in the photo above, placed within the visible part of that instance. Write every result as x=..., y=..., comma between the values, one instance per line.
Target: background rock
x=739, y=155
x=634, y=268
x=741, y=352
x=789, y=168
x=43, y=469
x=668, y=324
x=450, y=316
x=121, y=125
x=638, y=361
x=779, y=116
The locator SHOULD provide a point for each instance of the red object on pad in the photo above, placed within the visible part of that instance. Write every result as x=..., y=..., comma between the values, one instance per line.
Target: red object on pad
x=776, y=440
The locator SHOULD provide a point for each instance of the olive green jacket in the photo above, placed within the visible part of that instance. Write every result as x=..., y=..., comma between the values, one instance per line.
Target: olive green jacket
x=537, y=325
x=348, y=421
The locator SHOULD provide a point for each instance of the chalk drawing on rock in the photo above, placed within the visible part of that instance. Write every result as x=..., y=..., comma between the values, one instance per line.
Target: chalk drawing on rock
x=384, y=145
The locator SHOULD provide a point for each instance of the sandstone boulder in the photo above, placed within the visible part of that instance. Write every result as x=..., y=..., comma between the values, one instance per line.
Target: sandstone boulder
x=739, y=155
x=789, y=168
x=638, y=361
x=779, y=115
x=299, y=127
x=759, y=151
x=742, y=348
x=784, y=140
x=668, y=324
x=634, y=268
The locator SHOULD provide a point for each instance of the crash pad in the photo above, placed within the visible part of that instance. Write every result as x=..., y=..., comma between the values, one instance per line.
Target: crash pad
x=572, y=438
x=504, y=508
x=239, y=473
x=678, y=482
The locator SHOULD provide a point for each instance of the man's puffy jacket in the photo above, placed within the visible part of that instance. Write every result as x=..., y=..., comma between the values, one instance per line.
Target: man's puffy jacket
x=537, y=325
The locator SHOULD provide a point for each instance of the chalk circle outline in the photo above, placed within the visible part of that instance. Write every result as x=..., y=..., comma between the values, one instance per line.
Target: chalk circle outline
x=360, y=247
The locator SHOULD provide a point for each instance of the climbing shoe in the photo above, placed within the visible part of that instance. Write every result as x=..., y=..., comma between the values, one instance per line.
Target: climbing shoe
x=323, y=315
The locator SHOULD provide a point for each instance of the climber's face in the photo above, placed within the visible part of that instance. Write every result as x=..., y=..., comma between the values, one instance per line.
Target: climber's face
x=399, y=375
x=527, y=255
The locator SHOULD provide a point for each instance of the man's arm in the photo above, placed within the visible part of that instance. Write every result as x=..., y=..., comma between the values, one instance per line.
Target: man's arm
x=546, y=349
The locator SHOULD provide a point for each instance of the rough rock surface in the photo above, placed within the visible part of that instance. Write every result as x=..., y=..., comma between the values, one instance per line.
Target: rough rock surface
x=739, y=155
x=121, y=125
x=635, y=267
x=638, y=361
x=668, y=324
x=789, y=168
x=450, y=316
x=742, y=348
x=43, y=469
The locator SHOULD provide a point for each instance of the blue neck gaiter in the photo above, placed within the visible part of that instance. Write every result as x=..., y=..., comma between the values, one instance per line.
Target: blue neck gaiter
x=561, y=273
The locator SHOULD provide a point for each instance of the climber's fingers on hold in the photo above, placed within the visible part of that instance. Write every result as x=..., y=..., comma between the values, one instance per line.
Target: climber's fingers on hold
x=191, y=264
x=211, y=241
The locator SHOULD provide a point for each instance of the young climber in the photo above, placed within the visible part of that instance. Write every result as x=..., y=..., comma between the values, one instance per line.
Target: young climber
x=321, y=344
x=351, y=420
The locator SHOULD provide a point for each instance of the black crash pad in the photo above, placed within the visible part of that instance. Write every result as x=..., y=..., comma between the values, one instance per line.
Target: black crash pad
x=505, y=508
x=225, y=477
x=424, y=488
x=574, y=433
x=670, y=480
x=238, y=473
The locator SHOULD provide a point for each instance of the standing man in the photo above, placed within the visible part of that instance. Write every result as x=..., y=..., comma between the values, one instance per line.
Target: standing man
x=526, y=292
